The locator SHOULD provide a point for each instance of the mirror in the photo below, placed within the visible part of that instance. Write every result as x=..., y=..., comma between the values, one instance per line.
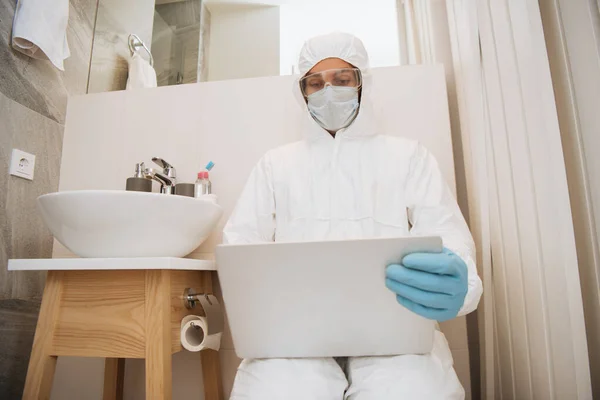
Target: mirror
x=169, y=29
x=195, y=40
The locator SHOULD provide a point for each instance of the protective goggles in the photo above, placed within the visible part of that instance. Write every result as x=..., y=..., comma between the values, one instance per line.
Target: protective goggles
x=347, y=77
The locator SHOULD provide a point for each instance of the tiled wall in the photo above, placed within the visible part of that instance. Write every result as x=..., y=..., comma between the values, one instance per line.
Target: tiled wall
x=181, y=27
x=33, y=98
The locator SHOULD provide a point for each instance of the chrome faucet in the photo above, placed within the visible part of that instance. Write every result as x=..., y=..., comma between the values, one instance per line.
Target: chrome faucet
x=167, y=177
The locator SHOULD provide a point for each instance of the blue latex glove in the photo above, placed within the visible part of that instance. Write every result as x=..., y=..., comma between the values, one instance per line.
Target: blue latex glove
x=433, y=285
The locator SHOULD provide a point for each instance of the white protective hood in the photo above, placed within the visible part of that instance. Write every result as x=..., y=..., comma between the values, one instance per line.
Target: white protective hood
x=350, y=49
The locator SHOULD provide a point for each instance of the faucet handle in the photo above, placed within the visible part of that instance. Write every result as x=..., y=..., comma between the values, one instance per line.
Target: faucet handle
x=168, y=169
x=140, y=170
x=162, y=163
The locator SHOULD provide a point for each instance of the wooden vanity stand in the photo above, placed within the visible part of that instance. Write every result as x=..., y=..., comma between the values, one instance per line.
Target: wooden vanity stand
x=117, y=309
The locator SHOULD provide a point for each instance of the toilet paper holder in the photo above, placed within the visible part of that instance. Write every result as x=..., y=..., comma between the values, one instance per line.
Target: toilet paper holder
x=210, y=305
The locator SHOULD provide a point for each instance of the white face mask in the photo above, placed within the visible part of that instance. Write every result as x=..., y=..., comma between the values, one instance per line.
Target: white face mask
x=334, y=107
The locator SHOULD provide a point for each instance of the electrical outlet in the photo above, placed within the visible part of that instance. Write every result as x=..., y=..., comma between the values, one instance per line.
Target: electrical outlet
x=22, y=164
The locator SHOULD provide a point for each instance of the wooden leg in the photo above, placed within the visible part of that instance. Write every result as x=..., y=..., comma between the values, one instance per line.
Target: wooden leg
x=42, y=362
x=114, y=377
x=211, y=374
x=158, y=335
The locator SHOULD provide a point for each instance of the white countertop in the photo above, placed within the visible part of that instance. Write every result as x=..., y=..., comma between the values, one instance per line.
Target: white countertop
x=54, y=264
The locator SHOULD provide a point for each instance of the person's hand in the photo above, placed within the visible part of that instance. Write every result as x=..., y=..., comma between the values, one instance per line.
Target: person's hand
x=433, y=285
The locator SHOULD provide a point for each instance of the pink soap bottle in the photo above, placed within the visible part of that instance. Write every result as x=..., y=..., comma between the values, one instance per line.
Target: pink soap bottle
x=203, y=185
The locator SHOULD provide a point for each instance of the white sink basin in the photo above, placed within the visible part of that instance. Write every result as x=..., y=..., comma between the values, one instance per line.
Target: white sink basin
x=97, y=223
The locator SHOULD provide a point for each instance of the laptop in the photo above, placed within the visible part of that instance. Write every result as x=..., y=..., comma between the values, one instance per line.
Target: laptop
x=320, y=299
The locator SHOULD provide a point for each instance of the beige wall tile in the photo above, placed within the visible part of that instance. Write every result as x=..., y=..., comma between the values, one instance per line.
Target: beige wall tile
x=37, y=84
x=18, y=319
x=33, y=98
x=23, y=231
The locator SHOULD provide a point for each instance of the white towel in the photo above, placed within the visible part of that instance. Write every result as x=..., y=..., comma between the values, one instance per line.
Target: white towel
x=40, y=30
x=141, y=73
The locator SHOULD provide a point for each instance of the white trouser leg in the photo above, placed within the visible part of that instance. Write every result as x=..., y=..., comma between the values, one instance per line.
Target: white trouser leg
x=429, y=376
x=289, y=379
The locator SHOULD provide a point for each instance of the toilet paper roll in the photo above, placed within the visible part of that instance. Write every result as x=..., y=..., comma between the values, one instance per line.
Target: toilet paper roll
x=194, y=335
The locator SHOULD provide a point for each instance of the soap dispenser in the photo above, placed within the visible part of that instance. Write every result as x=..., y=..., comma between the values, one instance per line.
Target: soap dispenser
x=139, y=183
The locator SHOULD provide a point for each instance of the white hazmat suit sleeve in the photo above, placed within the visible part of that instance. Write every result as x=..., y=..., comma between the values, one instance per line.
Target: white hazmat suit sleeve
x=253, y=220
x=432, y=210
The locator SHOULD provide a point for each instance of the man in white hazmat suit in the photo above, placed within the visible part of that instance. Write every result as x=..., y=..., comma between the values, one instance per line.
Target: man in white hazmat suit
x=346, y=181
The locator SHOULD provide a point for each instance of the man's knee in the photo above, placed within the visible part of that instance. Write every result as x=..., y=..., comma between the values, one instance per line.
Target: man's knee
x=429, y=376
x=312, y=378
